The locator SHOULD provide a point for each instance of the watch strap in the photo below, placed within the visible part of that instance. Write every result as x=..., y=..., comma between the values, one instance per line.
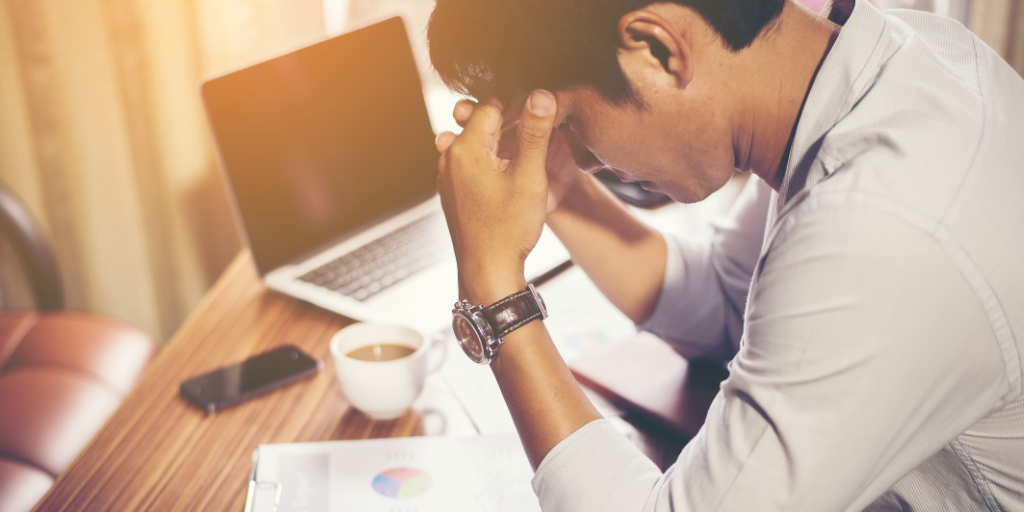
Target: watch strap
x=513, y=312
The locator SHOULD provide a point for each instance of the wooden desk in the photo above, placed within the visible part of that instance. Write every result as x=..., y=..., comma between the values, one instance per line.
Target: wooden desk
x=159, y=453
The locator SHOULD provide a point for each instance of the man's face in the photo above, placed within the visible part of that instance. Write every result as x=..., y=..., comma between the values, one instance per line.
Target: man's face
x=677, y=142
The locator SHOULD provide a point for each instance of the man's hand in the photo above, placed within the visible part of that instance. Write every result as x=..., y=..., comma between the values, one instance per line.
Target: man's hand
x=562, y=169
x=495, y=207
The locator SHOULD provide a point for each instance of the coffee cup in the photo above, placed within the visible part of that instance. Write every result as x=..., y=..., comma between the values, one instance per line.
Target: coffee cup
x=382, y=368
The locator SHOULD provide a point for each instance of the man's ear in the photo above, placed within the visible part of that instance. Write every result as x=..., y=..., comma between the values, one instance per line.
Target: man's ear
x=649, y=43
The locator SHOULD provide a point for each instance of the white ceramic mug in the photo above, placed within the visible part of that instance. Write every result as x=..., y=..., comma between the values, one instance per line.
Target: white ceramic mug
x=383, y=390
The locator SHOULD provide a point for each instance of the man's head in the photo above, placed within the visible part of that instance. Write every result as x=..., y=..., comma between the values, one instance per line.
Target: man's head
x=641, y=86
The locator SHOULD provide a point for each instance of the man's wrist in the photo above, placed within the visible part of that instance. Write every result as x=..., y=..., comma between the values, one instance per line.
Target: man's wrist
x=488, y=288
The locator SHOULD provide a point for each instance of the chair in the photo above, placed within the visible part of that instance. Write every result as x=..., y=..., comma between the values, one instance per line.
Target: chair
x=62, y=373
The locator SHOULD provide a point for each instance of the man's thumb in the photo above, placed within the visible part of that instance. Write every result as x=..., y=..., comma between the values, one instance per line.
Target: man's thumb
x=535, y=128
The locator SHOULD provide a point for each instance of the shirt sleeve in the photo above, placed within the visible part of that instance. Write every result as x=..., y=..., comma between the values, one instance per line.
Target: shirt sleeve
x=704, y=292
x=865, y=353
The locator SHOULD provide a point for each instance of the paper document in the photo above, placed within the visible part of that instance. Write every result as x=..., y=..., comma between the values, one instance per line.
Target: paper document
x=426, y=474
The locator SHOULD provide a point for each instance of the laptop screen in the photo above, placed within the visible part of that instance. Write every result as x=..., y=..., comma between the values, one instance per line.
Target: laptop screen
x=324, y=140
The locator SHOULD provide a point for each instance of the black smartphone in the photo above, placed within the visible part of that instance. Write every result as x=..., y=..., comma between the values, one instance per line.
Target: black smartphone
x=632, y=193
x=255, y=376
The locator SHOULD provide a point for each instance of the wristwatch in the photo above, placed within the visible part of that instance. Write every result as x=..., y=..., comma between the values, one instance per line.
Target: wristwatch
x=480, y=330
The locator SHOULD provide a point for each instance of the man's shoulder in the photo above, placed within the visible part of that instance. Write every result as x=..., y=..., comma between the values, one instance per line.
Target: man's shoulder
x=924, y=108
x=916, y=132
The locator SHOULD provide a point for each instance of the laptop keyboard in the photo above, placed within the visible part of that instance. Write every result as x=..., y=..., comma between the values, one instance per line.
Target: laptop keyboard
x=377, y=266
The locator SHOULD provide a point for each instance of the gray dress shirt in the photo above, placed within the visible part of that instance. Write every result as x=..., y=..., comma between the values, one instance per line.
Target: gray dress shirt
x=877, y=362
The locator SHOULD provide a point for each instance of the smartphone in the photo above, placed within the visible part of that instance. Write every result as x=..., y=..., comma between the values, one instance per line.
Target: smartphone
x=632, y=193
x=255, y=376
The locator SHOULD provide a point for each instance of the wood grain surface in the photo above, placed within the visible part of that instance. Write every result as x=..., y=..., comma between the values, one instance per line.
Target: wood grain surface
x=159, y=453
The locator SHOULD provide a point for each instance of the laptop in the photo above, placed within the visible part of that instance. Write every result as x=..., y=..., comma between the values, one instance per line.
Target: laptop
x=329, y=155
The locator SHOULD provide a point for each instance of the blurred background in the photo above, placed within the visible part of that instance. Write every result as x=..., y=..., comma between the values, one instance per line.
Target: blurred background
x=103, y=137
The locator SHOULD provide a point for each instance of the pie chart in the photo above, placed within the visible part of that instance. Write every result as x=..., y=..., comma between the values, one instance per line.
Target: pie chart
x=402, y=483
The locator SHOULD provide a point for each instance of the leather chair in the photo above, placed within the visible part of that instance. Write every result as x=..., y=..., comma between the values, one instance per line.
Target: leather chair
x=62, y=373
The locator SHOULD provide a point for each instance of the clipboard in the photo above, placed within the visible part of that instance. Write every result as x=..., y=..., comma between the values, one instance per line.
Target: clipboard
x=257, y=498
x=488, y=473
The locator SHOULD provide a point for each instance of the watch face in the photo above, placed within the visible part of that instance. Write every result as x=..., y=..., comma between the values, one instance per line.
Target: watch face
x=469, y=338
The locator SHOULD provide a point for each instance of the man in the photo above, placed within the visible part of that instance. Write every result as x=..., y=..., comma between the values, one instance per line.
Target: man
x=867, y=288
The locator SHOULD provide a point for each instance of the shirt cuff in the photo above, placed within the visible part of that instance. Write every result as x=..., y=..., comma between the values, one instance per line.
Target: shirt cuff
x=594, y=469
x=689, y=313
x=671, y=286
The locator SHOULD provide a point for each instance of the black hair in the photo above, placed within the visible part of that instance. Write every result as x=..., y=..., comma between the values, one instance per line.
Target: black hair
x=489, y=48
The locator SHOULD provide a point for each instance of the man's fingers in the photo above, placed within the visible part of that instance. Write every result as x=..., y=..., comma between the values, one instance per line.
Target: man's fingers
x=444, y=141
x=535, y=128
x=507, y=143
x=484, y=124
x=463, y=109
x=442, y=165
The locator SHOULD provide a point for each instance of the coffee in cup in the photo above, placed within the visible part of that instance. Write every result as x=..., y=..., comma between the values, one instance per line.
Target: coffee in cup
x=382, y=368
x=381, y=352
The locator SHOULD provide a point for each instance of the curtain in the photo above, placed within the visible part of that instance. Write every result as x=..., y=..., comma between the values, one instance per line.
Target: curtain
x=1000, y=23
x=103, y=136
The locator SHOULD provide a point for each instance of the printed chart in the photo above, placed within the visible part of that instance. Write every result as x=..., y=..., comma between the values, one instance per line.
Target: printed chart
x=402, y=483
x=487, y=473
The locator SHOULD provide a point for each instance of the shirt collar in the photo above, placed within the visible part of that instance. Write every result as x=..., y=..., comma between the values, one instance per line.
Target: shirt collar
x=847, y=71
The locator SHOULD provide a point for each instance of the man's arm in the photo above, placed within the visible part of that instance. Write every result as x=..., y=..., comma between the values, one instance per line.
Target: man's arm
x=624, y=257
x=866, y=353
x=495, y=210
x=690, y=291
